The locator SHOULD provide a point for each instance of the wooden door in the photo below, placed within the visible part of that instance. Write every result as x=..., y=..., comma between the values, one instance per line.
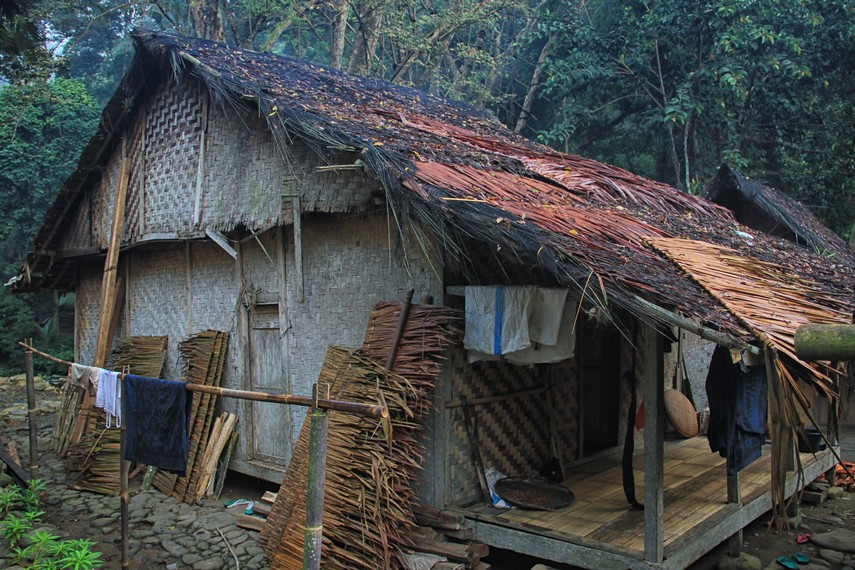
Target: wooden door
x=271, y=425
x=600, y=387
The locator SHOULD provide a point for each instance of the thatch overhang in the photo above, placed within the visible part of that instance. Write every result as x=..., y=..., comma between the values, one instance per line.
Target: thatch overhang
x=463, y=176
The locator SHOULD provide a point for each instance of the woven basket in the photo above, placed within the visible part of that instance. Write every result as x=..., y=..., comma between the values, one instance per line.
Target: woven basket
x=681, y=413
x=536, y=495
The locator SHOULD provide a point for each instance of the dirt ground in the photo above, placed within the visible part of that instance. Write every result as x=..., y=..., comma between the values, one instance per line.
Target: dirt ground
x=759, y=539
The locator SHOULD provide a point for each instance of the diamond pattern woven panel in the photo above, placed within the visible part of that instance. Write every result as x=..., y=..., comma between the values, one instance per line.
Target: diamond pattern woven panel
x=172, y=158
x=134, y=210
x=512, y=434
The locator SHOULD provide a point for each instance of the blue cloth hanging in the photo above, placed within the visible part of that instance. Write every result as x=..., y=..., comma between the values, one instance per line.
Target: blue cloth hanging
x=156, y=422
x=737, y=400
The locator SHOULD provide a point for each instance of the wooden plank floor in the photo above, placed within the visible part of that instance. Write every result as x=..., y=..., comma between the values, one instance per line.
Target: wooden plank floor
x=695, y=491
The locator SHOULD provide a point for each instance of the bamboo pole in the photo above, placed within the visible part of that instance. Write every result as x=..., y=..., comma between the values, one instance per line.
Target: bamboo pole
x=108, y=284
x=316, y=479
x=371, y=410
x=31, y=414
x=123, y=471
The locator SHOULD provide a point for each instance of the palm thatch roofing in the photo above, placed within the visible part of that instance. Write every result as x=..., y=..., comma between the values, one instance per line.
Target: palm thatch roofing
x=465, y=178
x=762, y=208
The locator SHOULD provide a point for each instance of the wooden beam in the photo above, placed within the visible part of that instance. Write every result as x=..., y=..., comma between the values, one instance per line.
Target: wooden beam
x=654, y=444
x=672, y=318
x=221, y=241
x=108, y=283
x=825, y=342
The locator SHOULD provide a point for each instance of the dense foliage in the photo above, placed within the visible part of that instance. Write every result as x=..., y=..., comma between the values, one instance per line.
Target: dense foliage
x=668, y=89
x=43, y=125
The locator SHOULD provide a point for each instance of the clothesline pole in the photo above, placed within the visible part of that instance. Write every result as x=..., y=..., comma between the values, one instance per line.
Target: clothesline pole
x=31, y=414
x=315, y=493
x=371, y=410
x=123, y=470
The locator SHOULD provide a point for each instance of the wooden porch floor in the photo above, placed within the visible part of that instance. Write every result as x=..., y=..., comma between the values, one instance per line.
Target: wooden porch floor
x=695, y=499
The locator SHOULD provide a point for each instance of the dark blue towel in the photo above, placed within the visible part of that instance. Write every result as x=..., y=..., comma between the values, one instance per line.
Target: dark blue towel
x=156, y=416
x=737, y=400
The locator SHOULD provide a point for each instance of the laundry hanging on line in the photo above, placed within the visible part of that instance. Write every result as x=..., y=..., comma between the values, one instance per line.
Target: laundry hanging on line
x=519, y=324
x=156, y=422
x=108, y=396
x=107, y=388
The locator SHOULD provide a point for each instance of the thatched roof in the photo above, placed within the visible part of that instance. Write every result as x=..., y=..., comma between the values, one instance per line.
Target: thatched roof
x=463, y=176
x=762, y=208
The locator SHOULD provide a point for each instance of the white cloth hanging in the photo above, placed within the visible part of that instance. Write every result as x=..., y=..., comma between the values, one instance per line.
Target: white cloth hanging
x=109, y=397
x=522, y=325
x=497, y=318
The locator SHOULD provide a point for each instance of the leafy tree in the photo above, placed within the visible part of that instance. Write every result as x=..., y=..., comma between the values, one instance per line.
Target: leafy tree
x=672, y=89
x=43, y=126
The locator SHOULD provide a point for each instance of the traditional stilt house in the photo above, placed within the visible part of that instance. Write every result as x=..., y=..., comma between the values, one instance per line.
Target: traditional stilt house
x=279, y=200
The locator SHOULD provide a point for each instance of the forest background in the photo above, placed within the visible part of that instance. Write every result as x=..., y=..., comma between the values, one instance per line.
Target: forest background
x=668, y=89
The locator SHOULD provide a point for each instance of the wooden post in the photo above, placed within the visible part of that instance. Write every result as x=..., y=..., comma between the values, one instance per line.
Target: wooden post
x=123, y=473
x=316, y=478
x=108, y=283
x=654, y=445
x=734, y=495
x=31, y=413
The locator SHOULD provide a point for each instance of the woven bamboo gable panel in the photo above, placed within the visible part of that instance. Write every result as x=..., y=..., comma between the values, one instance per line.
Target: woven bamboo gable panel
x=135, y=202
x=79, y=233
x=172, y=140
x=247, y=176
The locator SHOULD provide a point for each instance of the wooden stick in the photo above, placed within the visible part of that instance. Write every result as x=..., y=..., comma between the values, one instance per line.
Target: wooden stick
x=476, y=455
x=31, y=414
x=123, y=472
x=372, y=410
x=44, y=354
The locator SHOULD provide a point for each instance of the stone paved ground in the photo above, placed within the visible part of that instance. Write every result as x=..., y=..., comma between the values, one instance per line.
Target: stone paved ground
x=167, y=534
x=164, y=533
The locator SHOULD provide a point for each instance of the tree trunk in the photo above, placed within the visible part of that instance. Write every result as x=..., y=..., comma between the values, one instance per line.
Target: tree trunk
x=365, y=45
x=532, y=86
x=207, y=20
x=339, y=34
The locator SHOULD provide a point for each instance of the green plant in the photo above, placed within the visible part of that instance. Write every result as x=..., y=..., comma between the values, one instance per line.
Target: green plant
x=14, y=529
x=43, y=551
x=80, y=556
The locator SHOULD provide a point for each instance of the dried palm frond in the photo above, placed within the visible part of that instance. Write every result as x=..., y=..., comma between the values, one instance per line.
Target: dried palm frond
x=96, y=455
x=368, y=511
x=773, y=303
x=203, y=356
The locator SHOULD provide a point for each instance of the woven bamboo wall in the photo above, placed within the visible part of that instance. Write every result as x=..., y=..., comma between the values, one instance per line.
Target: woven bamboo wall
x=157, y=299
x=87, y=312
x=213, y=289
x=349, y=265
x=512, y=435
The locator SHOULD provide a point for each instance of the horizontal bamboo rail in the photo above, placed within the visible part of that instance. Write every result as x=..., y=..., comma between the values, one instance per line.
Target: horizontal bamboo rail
x=370, y=410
